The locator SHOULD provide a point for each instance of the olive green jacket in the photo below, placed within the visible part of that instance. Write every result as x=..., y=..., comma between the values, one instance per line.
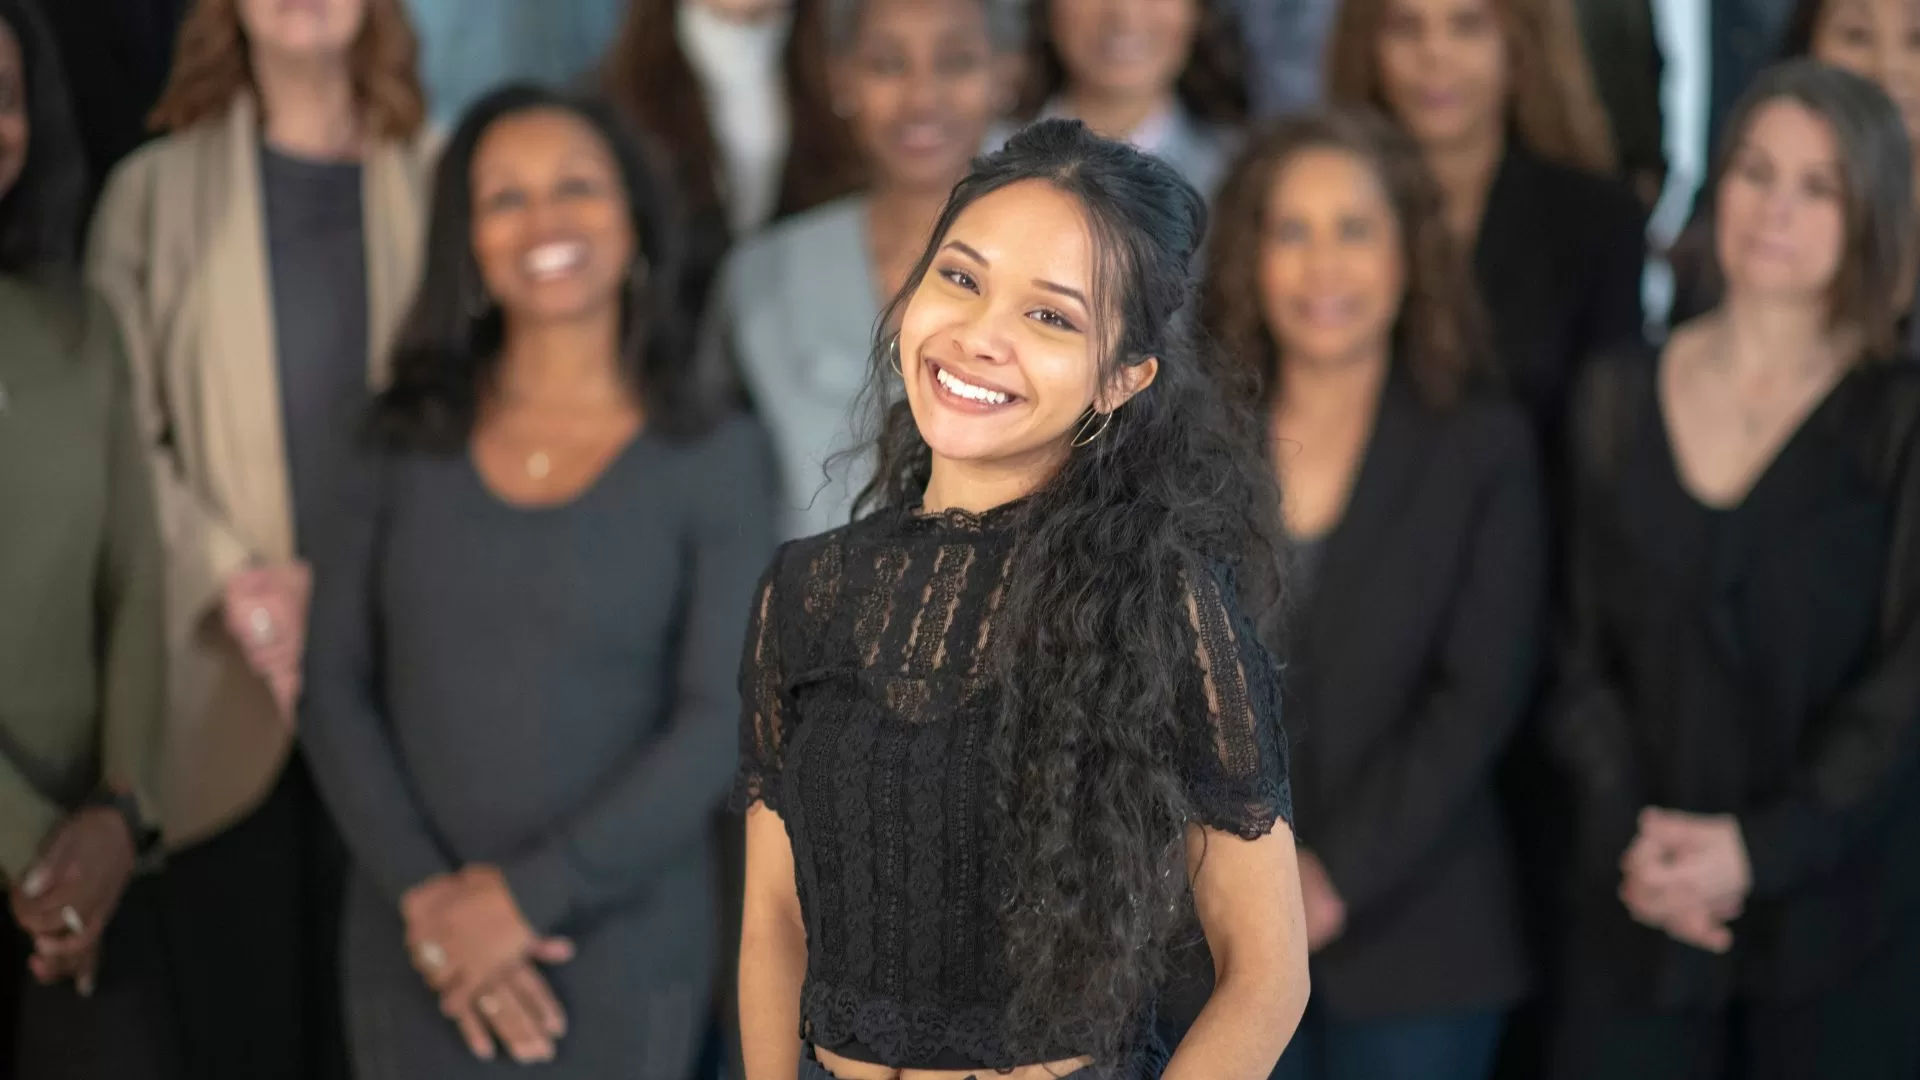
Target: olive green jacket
x=82, y=651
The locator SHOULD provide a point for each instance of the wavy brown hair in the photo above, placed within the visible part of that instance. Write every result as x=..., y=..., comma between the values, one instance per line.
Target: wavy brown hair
x=1551, y=101
x=212, y=62
x=1440, y=336
x=1213, y=86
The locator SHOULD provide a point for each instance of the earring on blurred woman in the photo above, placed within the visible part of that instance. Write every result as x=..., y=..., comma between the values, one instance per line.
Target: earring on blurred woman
x=893, y=355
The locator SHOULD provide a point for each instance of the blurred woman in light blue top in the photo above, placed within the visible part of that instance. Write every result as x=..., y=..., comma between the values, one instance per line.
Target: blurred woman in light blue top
x=916, y=84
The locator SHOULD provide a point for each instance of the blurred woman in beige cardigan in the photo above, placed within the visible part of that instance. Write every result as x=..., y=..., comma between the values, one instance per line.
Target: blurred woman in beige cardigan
x=258, y=257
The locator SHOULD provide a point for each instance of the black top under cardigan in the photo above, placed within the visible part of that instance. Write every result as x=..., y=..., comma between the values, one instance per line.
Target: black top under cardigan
x=1761, y=660
x=1413, y=660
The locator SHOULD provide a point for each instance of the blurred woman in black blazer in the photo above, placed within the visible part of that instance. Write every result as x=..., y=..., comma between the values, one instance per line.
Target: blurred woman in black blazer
x=1739, y=709
x=1418, y=593
x=1499, y=97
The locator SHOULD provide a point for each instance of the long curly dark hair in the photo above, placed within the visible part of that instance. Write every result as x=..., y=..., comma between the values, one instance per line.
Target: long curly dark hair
x=1441, y=337
x=1094, y=624
x=449, y=344
x=40, y=216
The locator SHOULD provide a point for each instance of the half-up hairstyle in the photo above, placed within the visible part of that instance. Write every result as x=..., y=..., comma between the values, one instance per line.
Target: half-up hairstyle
x=1440, y=337
x=1096, y=626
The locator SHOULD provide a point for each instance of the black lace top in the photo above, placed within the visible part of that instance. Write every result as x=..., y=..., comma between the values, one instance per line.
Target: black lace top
x=868, y=704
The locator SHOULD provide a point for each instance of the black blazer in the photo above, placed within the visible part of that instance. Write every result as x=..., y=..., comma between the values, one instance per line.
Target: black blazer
x=1413, y=659
x=1559, y=261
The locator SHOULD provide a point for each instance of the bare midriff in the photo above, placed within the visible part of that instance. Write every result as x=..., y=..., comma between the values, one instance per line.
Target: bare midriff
x=846, y=1069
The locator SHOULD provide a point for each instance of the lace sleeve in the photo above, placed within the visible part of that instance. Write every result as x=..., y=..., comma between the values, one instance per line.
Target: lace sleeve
x=764, y=715
x=1236, y=762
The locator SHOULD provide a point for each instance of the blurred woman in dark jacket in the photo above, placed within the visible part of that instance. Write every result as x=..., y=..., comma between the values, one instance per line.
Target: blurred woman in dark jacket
x=1418, y=590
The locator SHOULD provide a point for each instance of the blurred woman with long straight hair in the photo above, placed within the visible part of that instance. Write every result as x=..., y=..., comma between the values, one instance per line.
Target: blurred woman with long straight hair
x=1739, y=705
x=258, y=257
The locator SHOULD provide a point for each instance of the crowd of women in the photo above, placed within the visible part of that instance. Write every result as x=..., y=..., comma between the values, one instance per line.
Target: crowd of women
x=1215, y=551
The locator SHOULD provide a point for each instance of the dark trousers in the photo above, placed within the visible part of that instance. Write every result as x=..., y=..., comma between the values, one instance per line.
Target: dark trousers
x=1868, y=1029
x=252, y=924
x=120, y=1033
x=1439, y=1046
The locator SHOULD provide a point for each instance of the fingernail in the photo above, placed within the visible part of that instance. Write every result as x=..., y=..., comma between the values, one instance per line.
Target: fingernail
x=35, y=883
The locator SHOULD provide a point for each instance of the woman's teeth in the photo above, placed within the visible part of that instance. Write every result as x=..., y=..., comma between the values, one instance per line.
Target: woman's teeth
x=556, y=259
x=968, y=390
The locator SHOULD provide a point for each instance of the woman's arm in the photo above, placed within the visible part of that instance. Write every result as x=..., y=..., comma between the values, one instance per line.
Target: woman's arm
x=355, y=762
x=773, y=951
x=133, y=690
x=1866, y=748
x=202, y=550
x=1587, y=728
x=1247, y=894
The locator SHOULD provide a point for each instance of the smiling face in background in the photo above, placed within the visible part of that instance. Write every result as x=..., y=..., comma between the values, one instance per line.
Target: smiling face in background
x=1124, y=49
x=920, y=83
x=295, y=30
x=1000, y=347
x=1332, y=265
x=1877, y=40
x=552, y=231
x=15, y=128
x=1780, y=218
x=1444, y=69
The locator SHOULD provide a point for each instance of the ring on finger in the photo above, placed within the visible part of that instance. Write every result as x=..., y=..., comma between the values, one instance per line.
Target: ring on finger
x=71, y=919
x=431, y=956
x=489, y=1005
x=260, y=625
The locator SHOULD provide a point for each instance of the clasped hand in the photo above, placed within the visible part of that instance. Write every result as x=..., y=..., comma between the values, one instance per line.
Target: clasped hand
x=1687, y=875
x=470, y=942
x=65, y=900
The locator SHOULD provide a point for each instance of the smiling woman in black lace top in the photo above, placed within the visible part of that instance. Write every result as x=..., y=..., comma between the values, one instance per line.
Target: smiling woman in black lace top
x=1005, y=734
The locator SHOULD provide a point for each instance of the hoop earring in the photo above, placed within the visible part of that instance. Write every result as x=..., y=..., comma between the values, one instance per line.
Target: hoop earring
x=893, y=355
x=1080, y=436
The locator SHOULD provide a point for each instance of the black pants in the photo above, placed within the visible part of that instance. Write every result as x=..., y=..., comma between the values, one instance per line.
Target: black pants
x=1868, y=1029
x=252, y=927
x=121, y=1033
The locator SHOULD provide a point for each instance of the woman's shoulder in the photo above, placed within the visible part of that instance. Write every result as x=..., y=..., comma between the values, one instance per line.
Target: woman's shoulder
x=764, y=252
x=55, y=312
x=1888, y=393
x=733, y=443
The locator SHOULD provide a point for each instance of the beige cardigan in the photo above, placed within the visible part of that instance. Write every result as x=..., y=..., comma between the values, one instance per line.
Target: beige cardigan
x=179, y=251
